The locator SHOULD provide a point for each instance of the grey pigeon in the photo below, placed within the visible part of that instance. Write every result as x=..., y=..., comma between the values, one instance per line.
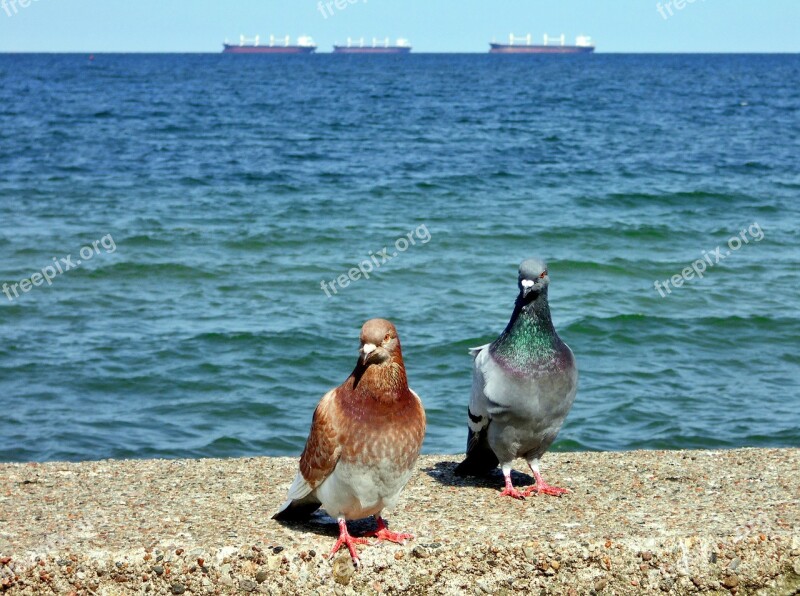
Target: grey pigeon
x=523, y=386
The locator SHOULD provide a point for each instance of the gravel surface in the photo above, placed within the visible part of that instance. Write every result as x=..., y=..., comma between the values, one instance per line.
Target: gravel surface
x=676, y=522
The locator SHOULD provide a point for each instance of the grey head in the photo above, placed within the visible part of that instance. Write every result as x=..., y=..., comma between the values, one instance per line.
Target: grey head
x=533, y=279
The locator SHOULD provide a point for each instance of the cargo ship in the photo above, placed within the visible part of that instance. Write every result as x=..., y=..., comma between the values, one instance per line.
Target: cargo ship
x=552, y=45
x=358, y=47
x=305, y=45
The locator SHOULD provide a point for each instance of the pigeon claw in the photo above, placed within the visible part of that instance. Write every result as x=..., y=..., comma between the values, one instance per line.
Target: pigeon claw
x=387, y=534
x=542, y=488
x=350, y=541
x=384, y=533
x=510, y=491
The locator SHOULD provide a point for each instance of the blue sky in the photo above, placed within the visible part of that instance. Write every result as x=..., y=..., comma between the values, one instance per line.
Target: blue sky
x=431, y=25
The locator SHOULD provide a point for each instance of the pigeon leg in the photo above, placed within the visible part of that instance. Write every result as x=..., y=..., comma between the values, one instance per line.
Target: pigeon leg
x=509, y=490
x=541, y=487
x=384, y=533
x=350, y=541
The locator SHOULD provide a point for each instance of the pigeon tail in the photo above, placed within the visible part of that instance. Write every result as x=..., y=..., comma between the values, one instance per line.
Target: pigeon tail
x=297, y=509
x=480, y=458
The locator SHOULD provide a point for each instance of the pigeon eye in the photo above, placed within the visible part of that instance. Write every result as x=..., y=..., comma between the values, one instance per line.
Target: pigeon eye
x=543, y=274
x=387, y=337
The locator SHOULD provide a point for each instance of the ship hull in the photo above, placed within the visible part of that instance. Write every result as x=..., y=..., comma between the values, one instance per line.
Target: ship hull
x=359, y=50
x=501, y=48
x=269, y=49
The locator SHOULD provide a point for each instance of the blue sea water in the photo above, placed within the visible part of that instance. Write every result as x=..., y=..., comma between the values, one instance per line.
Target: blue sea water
x=220, y=191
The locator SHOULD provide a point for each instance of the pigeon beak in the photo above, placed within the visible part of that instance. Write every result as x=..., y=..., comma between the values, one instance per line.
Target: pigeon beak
x=527, y=286
x=366, y=350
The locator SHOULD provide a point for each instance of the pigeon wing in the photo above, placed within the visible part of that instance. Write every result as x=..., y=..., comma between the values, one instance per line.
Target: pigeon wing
x=317, y=461
x=478, y=404
x=480, y=457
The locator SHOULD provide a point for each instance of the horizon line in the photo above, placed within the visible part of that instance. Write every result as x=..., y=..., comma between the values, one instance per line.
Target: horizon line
x=419, y=53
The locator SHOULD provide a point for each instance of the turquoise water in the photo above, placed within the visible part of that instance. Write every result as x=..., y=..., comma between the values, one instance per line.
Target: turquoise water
x=221, y=191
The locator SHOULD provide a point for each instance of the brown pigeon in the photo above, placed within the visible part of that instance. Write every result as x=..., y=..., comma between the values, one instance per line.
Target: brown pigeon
x=365, y=438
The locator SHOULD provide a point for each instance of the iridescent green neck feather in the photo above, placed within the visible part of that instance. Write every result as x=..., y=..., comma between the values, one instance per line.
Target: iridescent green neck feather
x=530, y=337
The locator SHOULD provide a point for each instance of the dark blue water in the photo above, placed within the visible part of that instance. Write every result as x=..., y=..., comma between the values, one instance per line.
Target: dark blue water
x=220, y=191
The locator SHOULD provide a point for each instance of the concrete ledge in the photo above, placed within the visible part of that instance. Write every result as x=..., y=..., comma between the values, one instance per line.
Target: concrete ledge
x=672, y=522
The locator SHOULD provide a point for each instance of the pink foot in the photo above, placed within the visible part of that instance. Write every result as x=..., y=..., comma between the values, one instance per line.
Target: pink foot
x=350, y=541
x=384, y=533
x=510, y=491
x=545, y=489
x=542, y=488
